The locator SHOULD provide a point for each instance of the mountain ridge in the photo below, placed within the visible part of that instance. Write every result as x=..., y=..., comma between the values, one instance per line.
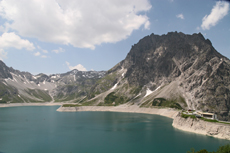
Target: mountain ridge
x=171, y=70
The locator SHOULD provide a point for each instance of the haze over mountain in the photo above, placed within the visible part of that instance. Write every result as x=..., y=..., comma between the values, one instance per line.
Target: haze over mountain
x=173, y=70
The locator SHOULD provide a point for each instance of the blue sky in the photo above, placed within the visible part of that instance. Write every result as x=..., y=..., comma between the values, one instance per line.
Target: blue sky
x=56, y=36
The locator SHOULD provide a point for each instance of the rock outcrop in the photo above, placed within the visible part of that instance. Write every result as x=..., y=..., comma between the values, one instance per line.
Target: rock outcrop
x=218, y=130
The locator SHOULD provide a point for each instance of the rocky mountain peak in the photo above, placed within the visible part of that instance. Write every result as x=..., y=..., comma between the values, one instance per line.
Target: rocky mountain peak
x=4, y=71
x=157, y=56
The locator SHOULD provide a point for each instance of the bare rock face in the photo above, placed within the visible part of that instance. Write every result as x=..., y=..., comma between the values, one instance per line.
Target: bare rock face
x=170, y=56
x=4, y=71
x=202, y=127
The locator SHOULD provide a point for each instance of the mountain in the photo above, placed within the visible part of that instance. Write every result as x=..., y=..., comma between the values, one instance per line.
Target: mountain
x=173, y=70
x=16, y=86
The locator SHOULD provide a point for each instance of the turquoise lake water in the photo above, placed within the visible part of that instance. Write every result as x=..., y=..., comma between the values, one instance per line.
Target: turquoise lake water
x=41, y=129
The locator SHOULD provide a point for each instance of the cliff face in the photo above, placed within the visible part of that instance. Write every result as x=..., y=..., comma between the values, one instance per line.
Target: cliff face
x=217, y=130
x=168, y=56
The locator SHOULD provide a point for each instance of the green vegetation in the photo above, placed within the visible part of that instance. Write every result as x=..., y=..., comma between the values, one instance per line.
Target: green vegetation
x=40, y=94
x=105, y=83
x=222, y=149
x=64, y=98
x=202, y=118
x=136, y=90
x=166, y=103
x=187, y=116
x=208, y=120
x=89, y=103
x=71, y=105
x=110, y=98
x=103, y=104
x=8, y=94
x=181, y=99
x=223, y=122
x=146, y=103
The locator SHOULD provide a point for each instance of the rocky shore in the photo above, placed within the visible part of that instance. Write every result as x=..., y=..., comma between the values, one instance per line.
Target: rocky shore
x=217, y=130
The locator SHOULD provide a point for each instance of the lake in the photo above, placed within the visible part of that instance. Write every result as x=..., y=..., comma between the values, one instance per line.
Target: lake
x=41, y=129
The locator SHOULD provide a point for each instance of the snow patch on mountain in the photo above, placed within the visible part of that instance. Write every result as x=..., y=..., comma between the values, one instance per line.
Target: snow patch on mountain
x=148, y=92
x=114, y=87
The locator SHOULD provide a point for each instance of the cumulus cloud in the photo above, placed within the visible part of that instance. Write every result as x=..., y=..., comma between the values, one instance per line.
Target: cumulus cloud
x=80, y=23
x=37, y=54
x=11, y=40
x=59, y=50
x=79, y=67
x=8, y=40
x=181, y=16
x=218, y=12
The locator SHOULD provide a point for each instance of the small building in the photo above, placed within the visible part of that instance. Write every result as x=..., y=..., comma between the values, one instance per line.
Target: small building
x=207, y=115
x=191, y=111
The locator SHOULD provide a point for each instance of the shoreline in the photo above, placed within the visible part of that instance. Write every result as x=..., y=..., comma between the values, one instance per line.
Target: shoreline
x=167, y=112
x=216, y=130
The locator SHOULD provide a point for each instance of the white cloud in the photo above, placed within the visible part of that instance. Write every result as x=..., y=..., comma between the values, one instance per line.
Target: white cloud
x=181, y=16
x=43, y=50
x=79, y=67
x=40, y=55
x=11, y=40
x=80, y=23
x=147, y=24
x=43, y=56
x=37, y=54
x=8, y=40
x=59, y=50
x=218, y=12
